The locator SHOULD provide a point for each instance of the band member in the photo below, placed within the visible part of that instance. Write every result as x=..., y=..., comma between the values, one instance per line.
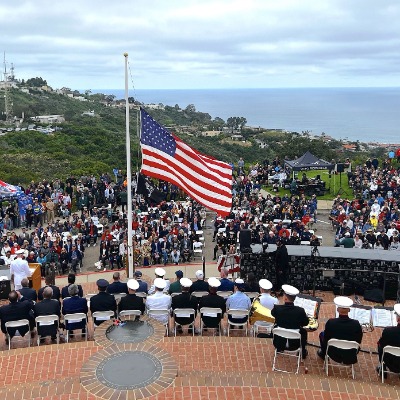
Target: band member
x=290, y=316
x=343, y=328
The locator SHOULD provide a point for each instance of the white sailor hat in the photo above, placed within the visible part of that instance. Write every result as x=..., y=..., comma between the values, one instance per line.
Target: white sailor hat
x=343, y=302
x=290, y=290
x=239, y=282
x=199, y=274
x=265, y=284
x=185, y=282
x=397, y=309
x=347, y=234
x=214, y=282
x=160, y=283
x=21, y=251
x=160, y=271
x=133, y=284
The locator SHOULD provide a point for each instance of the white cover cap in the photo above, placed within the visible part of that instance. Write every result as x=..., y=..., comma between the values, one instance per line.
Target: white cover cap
x=343, y=301
x=290, y=290
x=397, y=309
x=265, y=284
x=185, y=282
x=133, y=284
x=214, y=282
x=160, y=271
x=21, y=251
x=160, y=283
x=199, y=274
x=239, y=281
x=347, y=234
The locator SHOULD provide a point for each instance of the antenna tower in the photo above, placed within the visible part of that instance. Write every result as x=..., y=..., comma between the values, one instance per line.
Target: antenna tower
x=8, y=103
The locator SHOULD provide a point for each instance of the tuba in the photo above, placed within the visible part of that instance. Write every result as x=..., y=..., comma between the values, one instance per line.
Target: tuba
x=260, y=313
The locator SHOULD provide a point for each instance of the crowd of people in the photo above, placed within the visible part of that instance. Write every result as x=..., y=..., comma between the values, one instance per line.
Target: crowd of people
x=372, y=219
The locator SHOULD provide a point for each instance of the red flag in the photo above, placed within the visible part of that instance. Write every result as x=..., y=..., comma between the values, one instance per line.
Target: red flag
x=166, y=157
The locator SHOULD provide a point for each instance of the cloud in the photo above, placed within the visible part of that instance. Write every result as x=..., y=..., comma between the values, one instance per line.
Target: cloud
x=210, y=43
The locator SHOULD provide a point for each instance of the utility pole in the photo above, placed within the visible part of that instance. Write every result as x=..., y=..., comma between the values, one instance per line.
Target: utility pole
x=8, y=103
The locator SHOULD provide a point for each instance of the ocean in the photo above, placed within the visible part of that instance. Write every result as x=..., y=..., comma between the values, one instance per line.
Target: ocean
x=364, y=114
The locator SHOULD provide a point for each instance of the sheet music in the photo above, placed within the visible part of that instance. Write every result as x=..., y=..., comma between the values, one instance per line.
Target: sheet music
x=310, y=306
x=383, y=317
x=362, y=315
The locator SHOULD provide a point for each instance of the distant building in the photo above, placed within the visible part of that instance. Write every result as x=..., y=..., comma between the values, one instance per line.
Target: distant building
x=48, y=119
x=210, y=133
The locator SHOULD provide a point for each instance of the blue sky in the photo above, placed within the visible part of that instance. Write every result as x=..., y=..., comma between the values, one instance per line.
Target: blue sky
x=204, y=44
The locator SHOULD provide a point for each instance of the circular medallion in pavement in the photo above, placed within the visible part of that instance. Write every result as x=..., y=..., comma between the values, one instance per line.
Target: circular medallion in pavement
x=129, y=370
x=130, y=332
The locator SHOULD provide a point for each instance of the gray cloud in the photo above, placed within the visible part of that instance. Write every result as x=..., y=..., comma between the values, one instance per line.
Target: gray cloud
x=211, y=43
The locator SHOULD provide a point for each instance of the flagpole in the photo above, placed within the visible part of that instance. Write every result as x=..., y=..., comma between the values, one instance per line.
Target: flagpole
x=131, y=267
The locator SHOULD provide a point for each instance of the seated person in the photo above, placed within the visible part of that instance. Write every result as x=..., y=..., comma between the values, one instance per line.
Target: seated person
x=102, y=301
x=65, y=290
x=184, y=300
x=56, y=291
x=75, y=304
x=131, y=301
x=143, y=286
x=391, y=337
x=200, y=285
x=48, y=306
x=289, y=316
x=238, y=300
x=215, y=301
x=159, y=300
x=27, y=292
x=226, y=284
x=266, y=300
x=117, y=286
x=343, y=328
x=18, y=308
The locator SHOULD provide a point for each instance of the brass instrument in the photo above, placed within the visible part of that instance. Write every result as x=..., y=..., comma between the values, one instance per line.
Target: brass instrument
x=260, y=313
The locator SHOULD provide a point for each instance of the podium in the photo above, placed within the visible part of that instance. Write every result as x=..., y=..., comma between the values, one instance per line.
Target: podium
x=35, y=280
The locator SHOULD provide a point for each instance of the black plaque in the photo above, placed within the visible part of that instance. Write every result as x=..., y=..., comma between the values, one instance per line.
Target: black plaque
x=129, y=370
x=130, y=332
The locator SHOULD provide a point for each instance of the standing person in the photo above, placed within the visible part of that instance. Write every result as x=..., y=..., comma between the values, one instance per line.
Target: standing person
x=289, y=316
x=343, y=328
x=19, y=269
x=281, y=258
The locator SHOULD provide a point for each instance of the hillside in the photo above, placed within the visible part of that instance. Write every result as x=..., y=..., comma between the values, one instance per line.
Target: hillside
x=96, y=144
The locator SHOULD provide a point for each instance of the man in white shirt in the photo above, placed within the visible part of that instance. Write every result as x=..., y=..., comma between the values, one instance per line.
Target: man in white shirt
x=266, y=300
x=19, y=269
x=159, y=300
x=160, y=273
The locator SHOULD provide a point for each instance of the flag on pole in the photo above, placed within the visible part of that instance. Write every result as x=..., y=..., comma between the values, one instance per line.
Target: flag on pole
x=166, y=157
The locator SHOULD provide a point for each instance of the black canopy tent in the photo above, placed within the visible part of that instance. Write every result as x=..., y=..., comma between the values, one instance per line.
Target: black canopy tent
x=308, y=162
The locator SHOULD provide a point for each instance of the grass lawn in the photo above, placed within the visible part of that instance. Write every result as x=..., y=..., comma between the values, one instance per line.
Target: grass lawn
x=332, y=184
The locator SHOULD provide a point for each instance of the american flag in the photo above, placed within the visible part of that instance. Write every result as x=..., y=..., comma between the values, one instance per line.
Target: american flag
x=166, y=157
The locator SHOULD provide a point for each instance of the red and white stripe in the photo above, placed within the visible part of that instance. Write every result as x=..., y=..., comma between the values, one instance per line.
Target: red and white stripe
x=202, y=177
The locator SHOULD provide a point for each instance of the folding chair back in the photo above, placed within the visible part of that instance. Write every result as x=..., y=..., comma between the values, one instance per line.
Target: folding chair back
x=184, y=313
x=17, y=324
x=126, y=313
x=288, y=334
x=394, y=352
x=75, y=318
x=101, y=316
x=341, y=345
x=47, y=320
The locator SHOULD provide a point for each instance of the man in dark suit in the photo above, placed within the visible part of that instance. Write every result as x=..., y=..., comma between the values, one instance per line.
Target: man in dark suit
x=391, y=337
x=131, y=301
x=48, y=306
x=289, y=316
x=26, y=292
x=17, y=309
x=117, y=286
x=65, y=289
x=102, y=301
x=55, y=289
x=185, y=300
x=75, y=304
x=281, y=258
x=343, y=328
x=200, y=285
x=143, y=286
x=215, y=301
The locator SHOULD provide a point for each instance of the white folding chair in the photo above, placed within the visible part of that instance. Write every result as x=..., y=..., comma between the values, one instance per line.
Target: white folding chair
x=262, y=326
x=161, y=316
x=175, y=294
x=126, y=313
x=252, y=295
x=210, y=312
x=101, y=316
x=75, y=318
x=118, y=296
x=184, y=313
x=143, y=295
x=342, y=345
x=224, y=293
x=200, y=234
x=47, y=320
x=17, y=324
x=197, y=249
x=394, y=351
x=235, y=313
x=199, y=294
x=287, y=334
